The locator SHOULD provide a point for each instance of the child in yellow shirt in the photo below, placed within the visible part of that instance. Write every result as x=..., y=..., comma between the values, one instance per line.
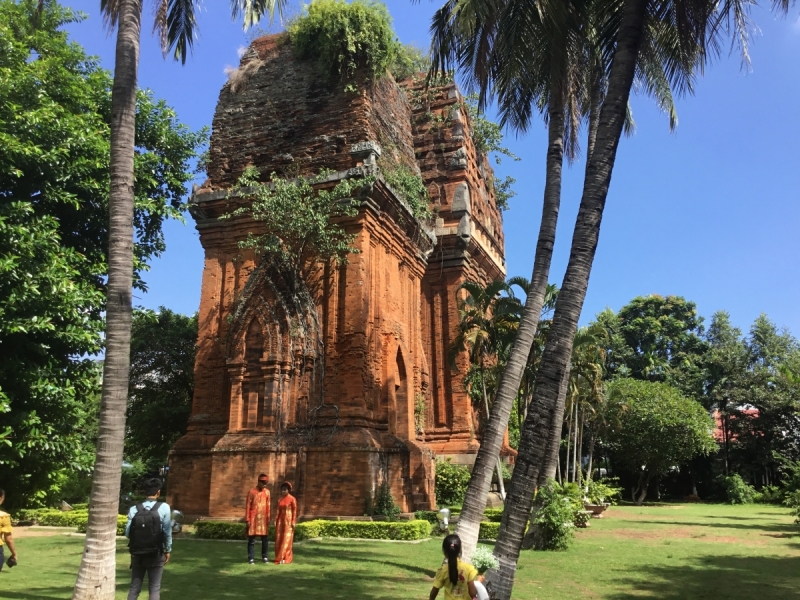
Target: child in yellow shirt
x=6, y=538
x=456, y=577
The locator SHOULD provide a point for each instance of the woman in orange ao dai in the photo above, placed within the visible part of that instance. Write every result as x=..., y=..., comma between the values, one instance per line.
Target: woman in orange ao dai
x=284, y=525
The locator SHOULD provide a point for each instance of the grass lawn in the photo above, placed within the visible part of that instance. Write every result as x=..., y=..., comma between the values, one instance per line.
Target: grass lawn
x=668, y=552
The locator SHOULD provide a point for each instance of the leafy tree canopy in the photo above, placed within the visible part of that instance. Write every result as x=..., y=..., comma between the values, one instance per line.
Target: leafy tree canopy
x=54, y=181
x=657, y=338
x=656, y=429
x=161, y=382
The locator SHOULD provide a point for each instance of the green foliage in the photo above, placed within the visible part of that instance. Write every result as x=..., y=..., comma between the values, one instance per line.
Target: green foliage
x=502, y=191
x=553, y=518
x=483, y=559
x=656, y=428
x=161, y=382
x=55, y=109
x=604, y=490
x=486, y=135
x=736, y=490
x=410, y=187
x=345, y=37
x=297, y=219
x=79, y=518
x=451, y=482
x=384, y=502
x=769, y=494
x=488, y=530
x=409, y=60
x=375, y=530
x=495, y=515
x=420, y=408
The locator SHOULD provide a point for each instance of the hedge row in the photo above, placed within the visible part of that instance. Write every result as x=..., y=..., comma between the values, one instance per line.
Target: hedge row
x=489, y=531
x=431, y=516
x=122, y=521
x=54, y=518
x=380, y=530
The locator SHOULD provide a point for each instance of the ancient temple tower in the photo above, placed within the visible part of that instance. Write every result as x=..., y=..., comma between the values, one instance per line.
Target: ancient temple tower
x=356, y=388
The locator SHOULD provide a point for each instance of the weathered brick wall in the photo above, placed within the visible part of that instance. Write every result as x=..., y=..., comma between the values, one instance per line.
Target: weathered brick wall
x=324, y=394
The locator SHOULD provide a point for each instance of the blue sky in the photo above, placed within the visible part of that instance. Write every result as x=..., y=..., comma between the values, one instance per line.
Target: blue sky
x=710, y=212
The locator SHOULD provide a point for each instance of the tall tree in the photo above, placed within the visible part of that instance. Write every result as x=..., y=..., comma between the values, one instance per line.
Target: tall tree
x=176, y=24
x=693, y=26
x=54, y=142
x=161, y=382
x=658, y=429
x=550, y=57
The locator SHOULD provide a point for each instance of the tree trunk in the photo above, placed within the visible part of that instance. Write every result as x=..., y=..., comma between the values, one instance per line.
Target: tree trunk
x=580, y=448
x=547, y=410
x=96, y=576
x=641, y=493
x=569, y=442
x=575, y=444
x=500, y=484
x=475, y=499
x=589, y=466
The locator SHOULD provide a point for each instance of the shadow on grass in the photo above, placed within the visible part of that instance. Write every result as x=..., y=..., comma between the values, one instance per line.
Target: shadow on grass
x=729, y=577
x=778, y=528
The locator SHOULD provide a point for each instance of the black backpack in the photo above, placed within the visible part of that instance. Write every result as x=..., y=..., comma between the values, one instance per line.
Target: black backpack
x=146, y=534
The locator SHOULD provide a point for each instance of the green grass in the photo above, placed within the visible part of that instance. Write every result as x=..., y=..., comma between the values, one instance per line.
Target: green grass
x=668, y=552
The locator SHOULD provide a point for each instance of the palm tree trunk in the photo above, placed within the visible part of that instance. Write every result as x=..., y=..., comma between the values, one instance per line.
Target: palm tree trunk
x=475, y=499
x=569, y=442
x=589, y=466
x=546, y=413
x=96, y=576
x=580, y=447
x=500, y=483
x=575, y=444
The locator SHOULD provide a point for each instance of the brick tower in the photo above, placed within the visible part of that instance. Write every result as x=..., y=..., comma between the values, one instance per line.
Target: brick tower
x=359, y=389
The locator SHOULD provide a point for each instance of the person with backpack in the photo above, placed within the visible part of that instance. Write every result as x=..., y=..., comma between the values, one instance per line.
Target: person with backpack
x=149, y=530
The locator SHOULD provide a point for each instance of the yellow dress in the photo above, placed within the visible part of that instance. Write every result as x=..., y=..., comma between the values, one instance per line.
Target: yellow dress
x=460, y=591
x=5, y=526
x=257, y=512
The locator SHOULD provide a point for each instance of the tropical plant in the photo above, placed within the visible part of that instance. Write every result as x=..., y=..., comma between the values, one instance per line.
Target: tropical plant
x=175, y=23
x=483, y=559
x=539, y=57
x=488, y=319
x=554, y=518
x=384, y=502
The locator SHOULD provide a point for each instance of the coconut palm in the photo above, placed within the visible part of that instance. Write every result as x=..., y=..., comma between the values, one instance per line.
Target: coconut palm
x=488, y=320
x=551, y=57
x=695, y=27
x=176, y=24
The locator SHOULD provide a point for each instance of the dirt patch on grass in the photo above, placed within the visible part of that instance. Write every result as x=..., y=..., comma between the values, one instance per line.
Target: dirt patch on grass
x=673, y=533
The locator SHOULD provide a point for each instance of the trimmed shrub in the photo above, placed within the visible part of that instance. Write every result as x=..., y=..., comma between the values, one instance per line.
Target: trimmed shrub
x=380, y=530
x=431, y=516
x=495, y=515
x=737, y=491
x=122, y=521
x=488, y=531
x=451, y=483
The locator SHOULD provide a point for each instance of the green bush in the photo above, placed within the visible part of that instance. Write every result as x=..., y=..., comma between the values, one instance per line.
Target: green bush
x=792, y=500
x=770, y=494
x=451, y=483
x=737, y=491
x=431, y=516
x=373, y=530
x=385, y=504
x=410, y=186
x=345, y=37
x=488, y=531
x=495, y=515
x=122, y=521
x=554, y=520
x=604, y=490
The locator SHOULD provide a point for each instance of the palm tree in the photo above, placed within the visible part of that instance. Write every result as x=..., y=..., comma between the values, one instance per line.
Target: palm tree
x=695, y=26
x=487, y=323
x=176, y=24
x=546, y=56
